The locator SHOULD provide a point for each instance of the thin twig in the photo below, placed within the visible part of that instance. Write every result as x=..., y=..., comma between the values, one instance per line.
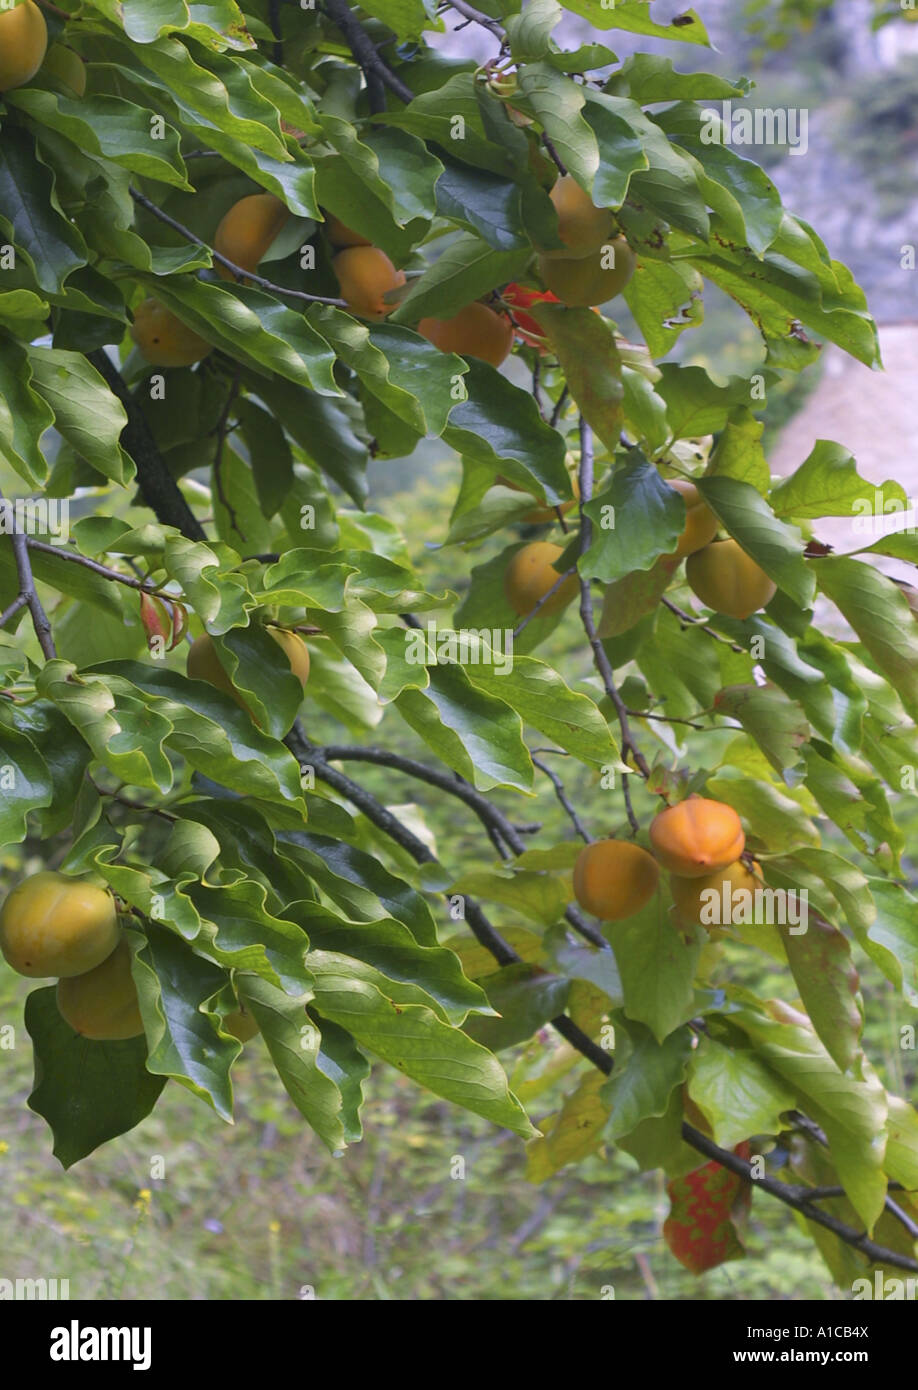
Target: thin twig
x=18, y=602
x=563, y=798
x=239, y=271
x=473, y=16
x=533, y=612
x=74, y=557
x=559, y=407
x=497, y=825
x=689, y=620
x=600, y=659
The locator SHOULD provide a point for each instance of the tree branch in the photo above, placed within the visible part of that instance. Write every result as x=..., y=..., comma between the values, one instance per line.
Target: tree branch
x=798, y=1198
x=600, y=659
x=473, y=16
x=28, y=596
x=239, y=271
x=493, y=820
x=365, y=52
x=791, y=1196
x=158, y=488
x=563, y=798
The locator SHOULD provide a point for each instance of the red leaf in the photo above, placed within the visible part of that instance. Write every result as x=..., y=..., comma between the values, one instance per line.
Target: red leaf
x=706, y=1207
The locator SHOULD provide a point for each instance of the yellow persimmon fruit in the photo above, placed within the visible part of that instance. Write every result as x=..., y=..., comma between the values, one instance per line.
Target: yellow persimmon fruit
x=593, y=279
x=543, y=513
x=23, y=43
x=248, y=229
x=341, y=236
x=728, y=580
x=103, y=1004
x=365, y=275
x=700, y=522
x=697, y=837
x=52, y=925
x=582, y=226
x=531, y=574
x=687, y=892
x=203, y=663
x=476, y=331
x=163, y=339
x=614, y=879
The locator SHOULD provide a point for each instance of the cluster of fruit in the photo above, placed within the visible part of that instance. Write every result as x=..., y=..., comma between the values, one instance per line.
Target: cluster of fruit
x=55, y=927
x=700, y=842
x=593, y=266
x=722, y=575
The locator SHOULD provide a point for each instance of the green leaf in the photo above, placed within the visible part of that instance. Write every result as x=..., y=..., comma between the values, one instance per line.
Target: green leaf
x=525, y=996
x=108, y=126
x=586, y=348
x=777, y=724
x=295, y=1044
x=215, y=736
x=641, y=1089
x=88, y=1092
x=27, y=784
x=542, y=699
x=881, y=617
x=774, y=545
x=411, y=1037
x=851, y=1111
x=647, y=519
x=576, y=1132
x=827, y=483
x=537, y=896
x=474, y=733
x=86, y=413
x=737, y=1094
x=466, y=270
x=557, y=104
x=634, y=16
x=31, y=215
x=499, y=425
x=657, y=968
x=391, y=949
x=172, y=984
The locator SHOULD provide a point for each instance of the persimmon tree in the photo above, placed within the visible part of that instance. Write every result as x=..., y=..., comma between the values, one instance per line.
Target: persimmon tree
x=242, y=253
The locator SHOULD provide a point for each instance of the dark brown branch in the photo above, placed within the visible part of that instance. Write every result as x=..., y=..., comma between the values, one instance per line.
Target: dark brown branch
x=473, y=16
x=797, y=1197
x=29, y=596
x=239, y=271
x=791, y=1196
x=158, y=488
x=74, y=557
x=497, y=825
x=366, y=54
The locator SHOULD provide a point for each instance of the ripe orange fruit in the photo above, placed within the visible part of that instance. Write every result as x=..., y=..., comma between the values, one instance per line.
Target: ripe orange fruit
x=697, y=837
x=614, y=879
